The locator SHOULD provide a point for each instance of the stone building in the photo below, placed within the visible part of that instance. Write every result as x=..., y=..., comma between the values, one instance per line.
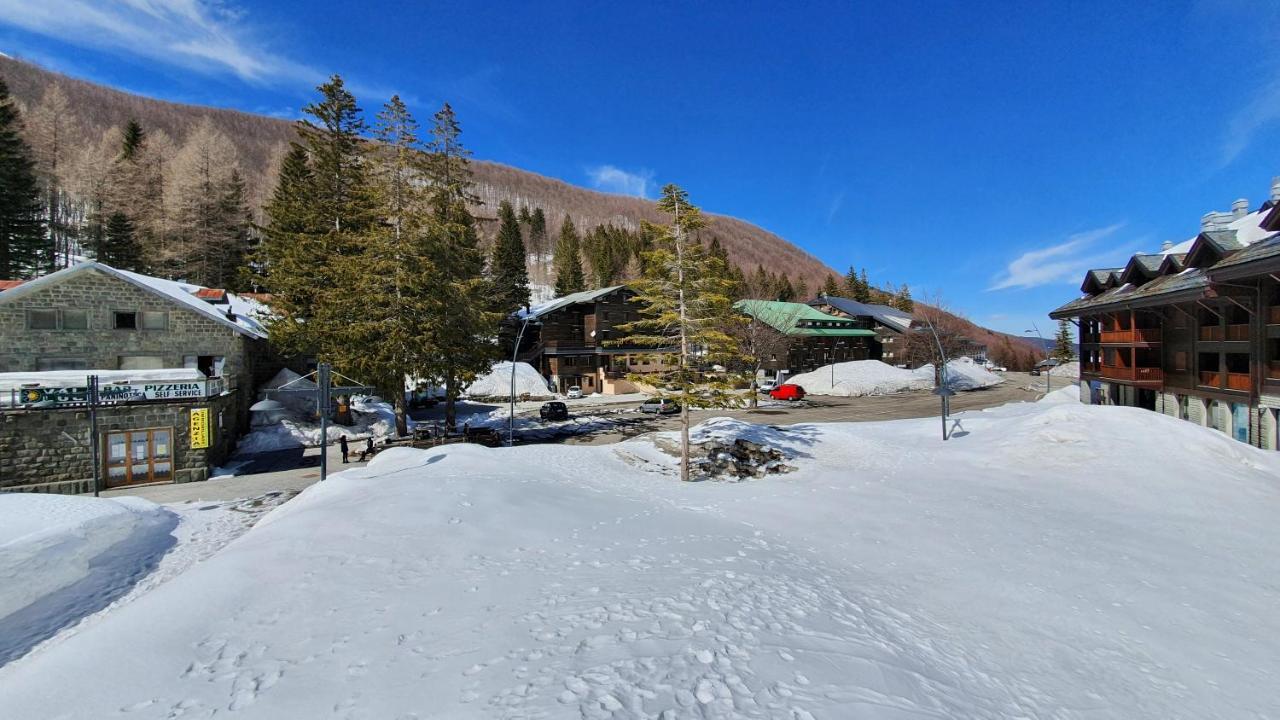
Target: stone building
x=177, y=368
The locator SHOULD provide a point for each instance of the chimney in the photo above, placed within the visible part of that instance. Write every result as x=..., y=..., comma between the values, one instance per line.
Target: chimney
x=1275, y=190
x=1239, y=208
x=1166, y=246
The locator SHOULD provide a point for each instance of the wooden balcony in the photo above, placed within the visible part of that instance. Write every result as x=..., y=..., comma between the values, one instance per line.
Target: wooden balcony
x=1273, y=315
x=1146, y=335
x=1128, y=337
x=1234, y=381
x=1135, y=375
x=1117, y=336
x=1231, y=333
x=1273, y=370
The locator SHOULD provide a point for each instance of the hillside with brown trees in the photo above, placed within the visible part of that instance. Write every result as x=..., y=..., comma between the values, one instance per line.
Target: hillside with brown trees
x=75, y=128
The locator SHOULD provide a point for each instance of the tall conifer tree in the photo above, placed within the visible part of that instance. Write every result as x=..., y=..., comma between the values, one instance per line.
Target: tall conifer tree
x=568, y=260
x=507, y=270
x=21, y=225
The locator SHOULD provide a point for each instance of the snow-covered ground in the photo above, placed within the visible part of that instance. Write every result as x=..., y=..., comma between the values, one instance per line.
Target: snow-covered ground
x=1054, y=560
x=68, y=561
x=963, y=374
x=372, y=416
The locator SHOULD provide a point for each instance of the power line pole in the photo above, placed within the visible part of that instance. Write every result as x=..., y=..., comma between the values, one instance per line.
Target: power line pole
x=322, y=403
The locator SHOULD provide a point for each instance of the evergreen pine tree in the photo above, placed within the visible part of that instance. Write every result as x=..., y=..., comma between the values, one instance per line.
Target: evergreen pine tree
x=132, y=140
x=507, y=270
x=864, y=288
x=683, y=304
x=1063, y=345
x=851, y=284
x=120, y=247
x=830, y=287
x=802, y=291
x=538, y=234
x=21, y=224
x=786, y=291
x=460, y=328
x=568, y=260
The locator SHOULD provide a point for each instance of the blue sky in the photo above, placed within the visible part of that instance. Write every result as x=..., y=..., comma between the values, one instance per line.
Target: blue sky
x=984, y=152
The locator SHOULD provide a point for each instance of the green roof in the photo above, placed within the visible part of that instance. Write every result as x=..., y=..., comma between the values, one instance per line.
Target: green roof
x=800, y=319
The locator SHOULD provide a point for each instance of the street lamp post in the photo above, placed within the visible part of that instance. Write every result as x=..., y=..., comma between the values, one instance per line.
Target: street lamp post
x=1048, y=376
x=511, y=419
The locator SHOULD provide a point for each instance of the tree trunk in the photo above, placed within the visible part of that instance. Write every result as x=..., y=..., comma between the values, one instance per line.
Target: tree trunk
x=402, y=419
x=684, y=442
x=450, y=409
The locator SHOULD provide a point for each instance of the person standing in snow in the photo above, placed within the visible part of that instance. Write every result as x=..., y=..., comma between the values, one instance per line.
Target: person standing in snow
x=342, y=445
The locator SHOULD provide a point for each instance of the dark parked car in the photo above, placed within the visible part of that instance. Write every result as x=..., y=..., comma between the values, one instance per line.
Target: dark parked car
x=787, y=391
x=661, y=406
x=554, y=411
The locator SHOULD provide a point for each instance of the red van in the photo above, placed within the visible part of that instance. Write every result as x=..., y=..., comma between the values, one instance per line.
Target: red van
x=787, y=392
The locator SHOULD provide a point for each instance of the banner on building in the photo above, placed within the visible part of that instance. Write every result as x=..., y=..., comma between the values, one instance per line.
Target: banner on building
x=199, y=428
x=115, y=393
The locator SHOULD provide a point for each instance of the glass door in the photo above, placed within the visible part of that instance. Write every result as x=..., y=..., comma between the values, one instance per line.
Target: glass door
x=139, y=456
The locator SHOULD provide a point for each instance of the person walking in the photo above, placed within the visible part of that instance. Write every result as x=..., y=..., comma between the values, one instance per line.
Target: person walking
x=368, y=447
x=342, y=444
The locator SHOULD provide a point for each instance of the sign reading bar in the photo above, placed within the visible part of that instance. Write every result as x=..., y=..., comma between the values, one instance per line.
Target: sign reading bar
x=199, y=428
x=130, y=392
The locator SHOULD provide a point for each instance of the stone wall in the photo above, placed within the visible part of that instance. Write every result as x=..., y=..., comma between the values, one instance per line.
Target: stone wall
x=50, y=451
x=248, y=360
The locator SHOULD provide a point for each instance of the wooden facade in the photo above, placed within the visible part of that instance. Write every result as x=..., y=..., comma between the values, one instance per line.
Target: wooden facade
x=1194, y=335
x=569, y=342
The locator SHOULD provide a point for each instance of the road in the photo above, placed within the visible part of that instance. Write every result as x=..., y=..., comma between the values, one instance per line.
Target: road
x=917, y=404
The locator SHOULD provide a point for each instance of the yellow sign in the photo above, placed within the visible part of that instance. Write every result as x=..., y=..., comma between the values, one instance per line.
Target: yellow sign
x=199, y=428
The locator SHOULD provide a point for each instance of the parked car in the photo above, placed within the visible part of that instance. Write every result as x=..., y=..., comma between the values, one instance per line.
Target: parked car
x=661, y=406
x=554, y=411
x=766, y=386
x=1035, y=371
x=575, y=392
x=787, y=391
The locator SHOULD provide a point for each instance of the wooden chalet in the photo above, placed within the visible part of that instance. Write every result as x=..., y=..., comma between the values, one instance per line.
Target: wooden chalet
x=1192, y=331
x=567, y=339
x=817, y=338
x=889, y=325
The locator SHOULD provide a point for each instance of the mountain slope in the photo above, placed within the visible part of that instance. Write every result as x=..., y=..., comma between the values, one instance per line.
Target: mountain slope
x=261, y=140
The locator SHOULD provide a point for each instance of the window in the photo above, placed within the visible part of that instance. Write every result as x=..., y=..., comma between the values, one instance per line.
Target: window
x=75, y=319
x=42, y=319
x=155, y=320
x=44, y=364
x=69, y=319
x=125, y=320
x=208, y=365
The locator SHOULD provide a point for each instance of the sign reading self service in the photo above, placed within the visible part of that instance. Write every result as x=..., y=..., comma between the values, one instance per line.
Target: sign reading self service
x=130, y=392
x=199, y=428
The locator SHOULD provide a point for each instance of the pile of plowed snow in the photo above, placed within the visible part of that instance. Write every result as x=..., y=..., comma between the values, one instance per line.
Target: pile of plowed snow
x=1070, y=370
x=497, y=382
x=963, y=374
x=861, y=377
x=63, y=557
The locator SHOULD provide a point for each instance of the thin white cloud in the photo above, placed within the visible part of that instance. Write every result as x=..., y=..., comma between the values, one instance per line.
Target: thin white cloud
x=1057, y=263
x=616, y=180
x=203, y=35
x=1262, y=111
x=835, y=206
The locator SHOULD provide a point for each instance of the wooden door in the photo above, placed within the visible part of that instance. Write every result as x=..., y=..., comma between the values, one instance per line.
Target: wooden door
x=139, y=456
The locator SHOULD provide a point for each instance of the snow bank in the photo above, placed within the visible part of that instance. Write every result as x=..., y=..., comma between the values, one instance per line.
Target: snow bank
x=891, y=575
x=963, y=374
x=63, y=557
x=1069, y=371
x=497, y=382
x=860, y=377
x=372, y=416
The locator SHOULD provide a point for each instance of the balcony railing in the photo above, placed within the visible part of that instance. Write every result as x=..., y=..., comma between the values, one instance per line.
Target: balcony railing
x=1141, y=374
x=1273, y=370
x=1146, y=335
x=1211, y=379
x=1239, y=381
x=1237, y=333
x=1273, y=315
x=1117, y=336
x=1211, y=333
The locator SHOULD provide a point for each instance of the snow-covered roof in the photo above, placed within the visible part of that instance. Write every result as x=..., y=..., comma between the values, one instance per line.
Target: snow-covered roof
x=247, y=312
x=537, y=311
